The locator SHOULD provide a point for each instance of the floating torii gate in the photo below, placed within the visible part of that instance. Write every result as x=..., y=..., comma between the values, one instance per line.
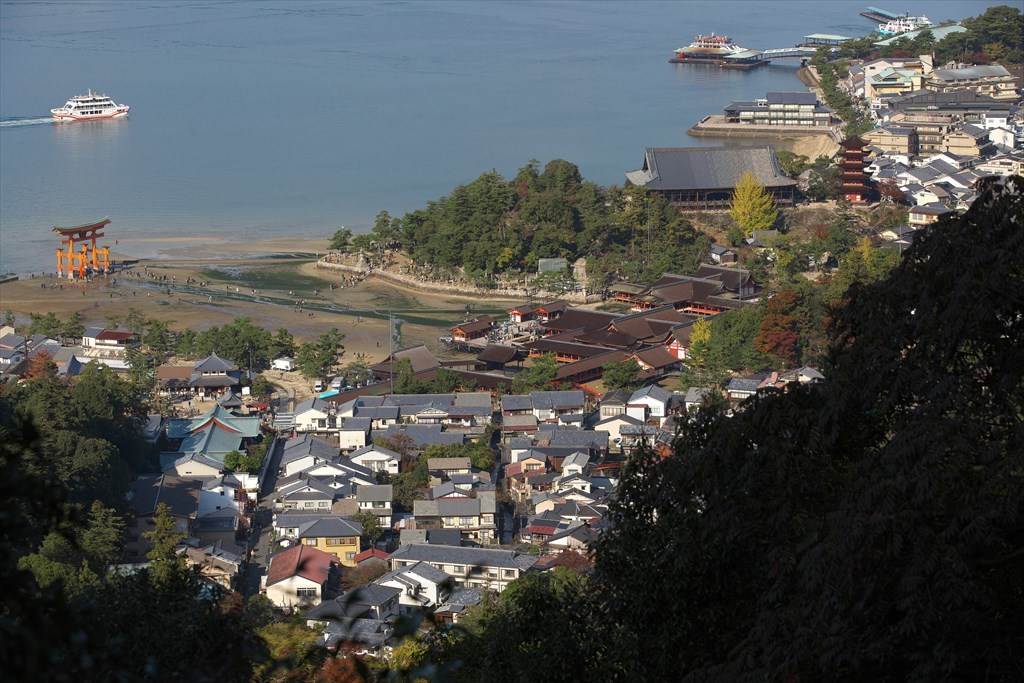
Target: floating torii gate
x=69, y=262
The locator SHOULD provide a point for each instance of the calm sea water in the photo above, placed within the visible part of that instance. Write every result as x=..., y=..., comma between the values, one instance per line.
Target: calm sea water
x=258, y=119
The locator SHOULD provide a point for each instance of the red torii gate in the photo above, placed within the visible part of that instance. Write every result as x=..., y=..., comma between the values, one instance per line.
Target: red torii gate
x=70, y=262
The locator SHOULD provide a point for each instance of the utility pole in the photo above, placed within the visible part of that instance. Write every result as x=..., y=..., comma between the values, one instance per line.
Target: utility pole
x=391, y=351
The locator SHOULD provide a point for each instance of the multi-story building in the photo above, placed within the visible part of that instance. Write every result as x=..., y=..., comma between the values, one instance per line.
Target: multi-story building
x=780, y=109
x=992, y=80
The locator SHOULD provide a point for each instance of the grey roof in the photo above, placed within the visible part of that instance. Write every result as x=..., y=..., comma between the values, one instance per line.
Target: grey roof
x=418, y=399
x=375, y=492
x=654, y=391
x=970, y=73
x=377, y=412
x=421, y=569
x=574, y=438
x=297, y=518
x=425, y=508
x=473, y=398
x=307, y=444
x=456, y=463
x=422, y=435
x=698, y=394
x=791, y=98
x=459, y=507
x=329, y=527
x=357, y=424
x=720, y=168
x=315, y=403
x=214, y=363
x=474, y=557
x=374, y=448
x=516, y=402
x=743, y=384
x=557, y=399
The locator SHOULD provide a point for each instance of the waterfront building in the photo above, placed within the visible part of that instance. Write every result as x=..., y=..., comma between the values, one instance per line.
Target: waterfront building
x=780, y=109
x=698, y=178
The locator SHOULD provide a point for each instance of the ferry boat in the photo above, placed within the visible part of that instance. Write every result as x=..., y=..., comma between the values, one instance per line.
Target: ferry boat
x=903, y=25
x=88, y=107
x=709, y=47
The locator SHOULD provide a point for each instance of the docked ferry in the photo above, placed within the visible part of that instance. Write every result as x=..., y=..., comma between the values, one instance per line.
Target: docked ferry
x=709, y=47
x=904, y=24
x=88, y=107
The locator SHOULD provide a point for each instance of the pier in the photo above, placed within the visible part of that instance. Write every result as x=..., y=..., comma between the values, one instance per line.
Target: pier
x=752, y=59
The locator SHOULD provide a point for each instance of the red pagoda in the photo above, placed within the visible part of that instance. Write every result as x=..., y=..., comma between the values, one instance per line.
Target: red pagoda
x=852, y=178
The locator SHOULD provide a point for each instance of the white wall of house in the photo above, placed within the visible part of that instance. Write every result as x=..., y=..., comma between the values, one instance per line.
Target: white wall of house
x=311, y=420
x=295, y=592
x=223, y=497
x=350, y=439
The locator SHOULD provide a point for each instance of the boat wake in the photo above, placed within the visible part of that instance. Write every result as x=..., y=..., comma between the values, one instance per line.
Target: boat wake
x=32, y=121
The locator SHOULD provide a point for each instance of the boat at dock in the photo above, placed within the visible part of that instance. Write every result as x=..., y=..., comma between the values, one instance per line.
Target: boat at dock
x=903, y=24
x=709, y=48
x=89, y=107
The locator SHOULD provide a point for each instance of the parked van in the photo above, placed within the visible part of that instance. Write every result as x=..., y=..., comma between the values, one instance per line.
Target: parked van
x=337, y=383
x=319, y=386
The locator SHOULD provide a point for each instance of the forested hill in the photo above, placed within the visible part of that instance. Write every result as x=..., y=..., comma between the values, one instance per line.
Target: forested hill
x=493, y=226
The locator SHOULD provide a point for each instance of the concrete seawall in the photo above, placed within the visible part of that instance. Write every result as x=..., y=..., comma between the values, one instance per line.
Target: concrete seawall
x=453, y=289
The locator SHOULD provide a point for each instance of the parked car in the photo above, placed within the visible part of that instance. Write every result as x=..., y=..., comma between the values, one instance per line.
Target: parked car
x=319, y=386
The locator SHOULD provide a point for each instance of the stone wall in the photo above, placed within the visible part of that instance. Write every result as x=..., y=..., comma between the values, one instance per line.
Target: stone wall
x=454, y=288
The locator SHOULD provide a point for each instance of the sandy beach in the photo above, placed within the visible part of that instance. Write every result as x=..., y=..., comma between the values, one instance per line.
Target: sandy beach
x=271, y=281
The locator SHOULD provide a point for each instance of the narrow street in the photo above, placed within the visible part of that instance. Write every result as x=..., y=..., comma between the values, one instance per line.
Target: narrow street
x=260, y=542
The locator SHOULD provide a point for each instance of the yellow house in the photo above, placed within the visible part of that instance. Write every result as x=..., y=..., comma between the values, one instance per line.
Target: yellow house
x=334, y=535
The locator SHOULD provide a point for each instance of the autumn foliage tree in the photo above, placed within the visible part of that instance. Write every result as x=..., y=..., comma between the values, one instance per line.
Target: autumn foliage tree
x=752, y=205
x=779, y=334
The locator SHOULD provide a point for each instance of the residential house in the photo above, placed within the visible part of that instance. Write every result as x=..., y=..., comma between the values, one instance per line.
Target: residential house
x=334, y=535
x=354, y=432
x=473, y=517
x=377, y=459
x=422, y=586
x=549, y=405
x=301, y=576
x=377, y=499
x=926, y=214
x=302, y=452
x=469, y=567
x=314, y=415
x=649, y=403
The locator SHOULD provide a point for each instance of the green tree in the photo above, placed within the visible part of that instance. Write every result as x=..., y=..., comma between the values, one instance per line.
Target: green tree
x=165, y=565
x=339, y=240
x=316, y=359
x=282, y=344
x=9, y=318
x=46, y=324
x=235, y=461
x=752, y=206
x=834, y=529
x=537, y=376
x=157, y=337
x=261, y=387
x=72, y=329
x=372, y=529
x=621, y=374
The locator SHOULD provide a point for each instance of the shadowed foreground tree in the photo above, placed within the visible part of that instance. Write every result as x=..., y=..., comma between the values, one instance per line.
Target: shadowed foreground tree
x=867, y=527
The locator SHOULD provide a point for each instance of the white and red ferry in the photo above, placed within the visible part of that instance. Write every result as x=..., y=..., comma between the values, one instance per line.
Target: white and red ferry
x=89, y=107
x=709, y=47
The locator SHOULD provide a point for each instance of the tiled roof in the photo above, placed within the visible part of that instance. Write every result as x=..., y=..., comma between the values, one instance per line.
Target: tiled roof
x=301, y=560
x=474, y=557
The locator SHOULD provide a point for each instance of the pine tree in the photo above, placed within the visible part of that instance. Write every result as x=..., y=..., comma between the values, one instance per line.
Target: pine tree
x=752, y=206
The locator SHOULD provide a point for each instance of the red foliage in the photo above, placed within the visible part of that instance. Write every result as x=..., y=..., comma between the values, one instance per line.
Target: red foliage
x=574, y=561
x=41, y=365
x=339, y=670
x=821, y=231
x=779, y=334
